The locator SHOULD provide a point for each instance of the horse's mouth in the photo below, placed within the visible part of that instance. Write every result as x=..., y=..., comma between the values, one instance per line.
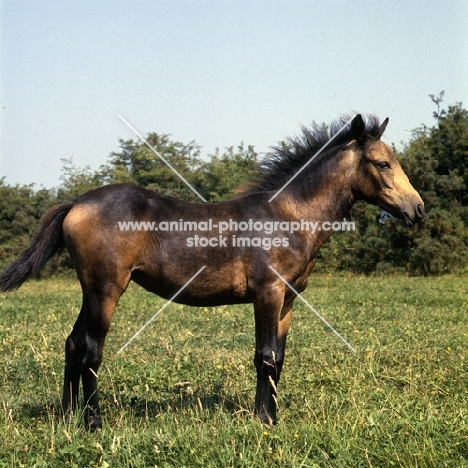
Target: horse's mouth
x=409, y=220
x=416, y=217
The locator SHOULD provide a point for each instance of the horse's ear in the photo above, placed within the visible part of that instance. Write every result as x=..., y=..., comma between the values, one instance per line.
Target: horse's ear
x=383, y=126
x=358, y=129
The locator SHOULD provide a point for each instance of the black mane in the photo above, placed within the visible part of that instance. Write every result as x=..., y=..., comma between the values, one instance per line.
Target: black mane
x=286, y=159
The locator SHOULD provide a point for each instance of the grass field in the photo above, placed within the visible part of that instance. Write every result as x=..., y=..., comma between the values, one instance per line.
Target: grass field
x=181, y=394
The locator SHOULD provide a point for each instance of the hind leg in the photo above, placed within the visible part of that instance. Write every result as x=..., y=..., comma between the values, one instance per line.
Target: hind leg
x=84, y=348
x=72, y=373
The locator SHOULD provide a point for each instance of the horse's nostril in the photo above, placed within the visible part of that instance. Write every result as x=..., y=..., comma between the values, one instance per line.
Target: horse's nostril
x=420, y=210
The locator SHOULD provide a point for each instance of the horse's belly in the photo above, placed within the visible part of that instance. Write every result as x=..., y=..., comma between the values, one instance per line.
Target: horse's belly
x=206, y=286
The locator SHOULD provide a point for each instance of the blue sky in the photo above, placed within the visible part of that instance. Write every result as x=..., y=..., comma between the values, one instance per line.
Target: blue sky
x=218, y=72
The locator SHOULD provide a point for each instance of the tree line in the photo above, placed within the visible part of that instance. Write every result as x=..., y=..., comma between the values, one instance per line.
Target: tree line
x=435, y=160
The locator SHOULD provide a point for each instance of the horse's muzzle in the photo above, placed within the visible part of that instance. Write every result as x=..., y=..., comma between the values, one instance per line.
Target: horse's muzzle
x=413, y=216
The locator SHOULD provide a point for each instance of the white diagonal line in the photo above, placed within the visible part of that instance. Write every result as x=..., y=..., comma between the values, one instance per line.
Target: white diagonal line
x=159, y=156
x=310, y=160
x=312, y=309
x=161, y=309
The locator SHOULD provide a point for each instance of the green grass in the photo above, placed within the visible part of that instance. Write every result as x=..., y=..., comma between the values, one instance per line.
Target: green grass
x=181, y=394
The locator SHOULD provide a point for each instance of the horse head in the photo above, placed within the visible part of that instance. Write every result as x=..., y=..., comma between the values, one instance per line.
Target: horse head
x=381, y=180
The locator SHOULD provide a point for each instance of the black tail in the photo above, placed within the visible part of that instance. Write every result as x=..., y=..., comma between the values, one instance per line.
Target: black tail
x=46, y=243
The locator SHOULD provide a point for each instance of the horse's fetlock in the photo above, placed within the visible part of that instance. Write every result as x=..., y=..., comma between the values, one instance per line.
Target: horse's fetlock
x=269, y=361
x=266, y=364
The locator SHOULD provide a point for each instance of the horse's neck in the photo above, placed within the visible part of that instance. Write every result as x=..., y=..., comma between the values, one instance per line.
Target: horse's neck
x=331, y=197
x=328, y=203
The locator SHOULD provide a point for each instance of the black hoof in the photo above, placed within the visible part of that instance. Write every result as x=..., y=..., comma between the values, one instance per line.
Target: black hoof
x=266, y=418
x=93, y=424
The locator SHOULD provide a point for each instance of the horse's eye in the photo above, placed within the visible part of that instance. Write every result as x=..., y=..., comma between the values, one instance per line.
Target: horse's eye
x=382, y=165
